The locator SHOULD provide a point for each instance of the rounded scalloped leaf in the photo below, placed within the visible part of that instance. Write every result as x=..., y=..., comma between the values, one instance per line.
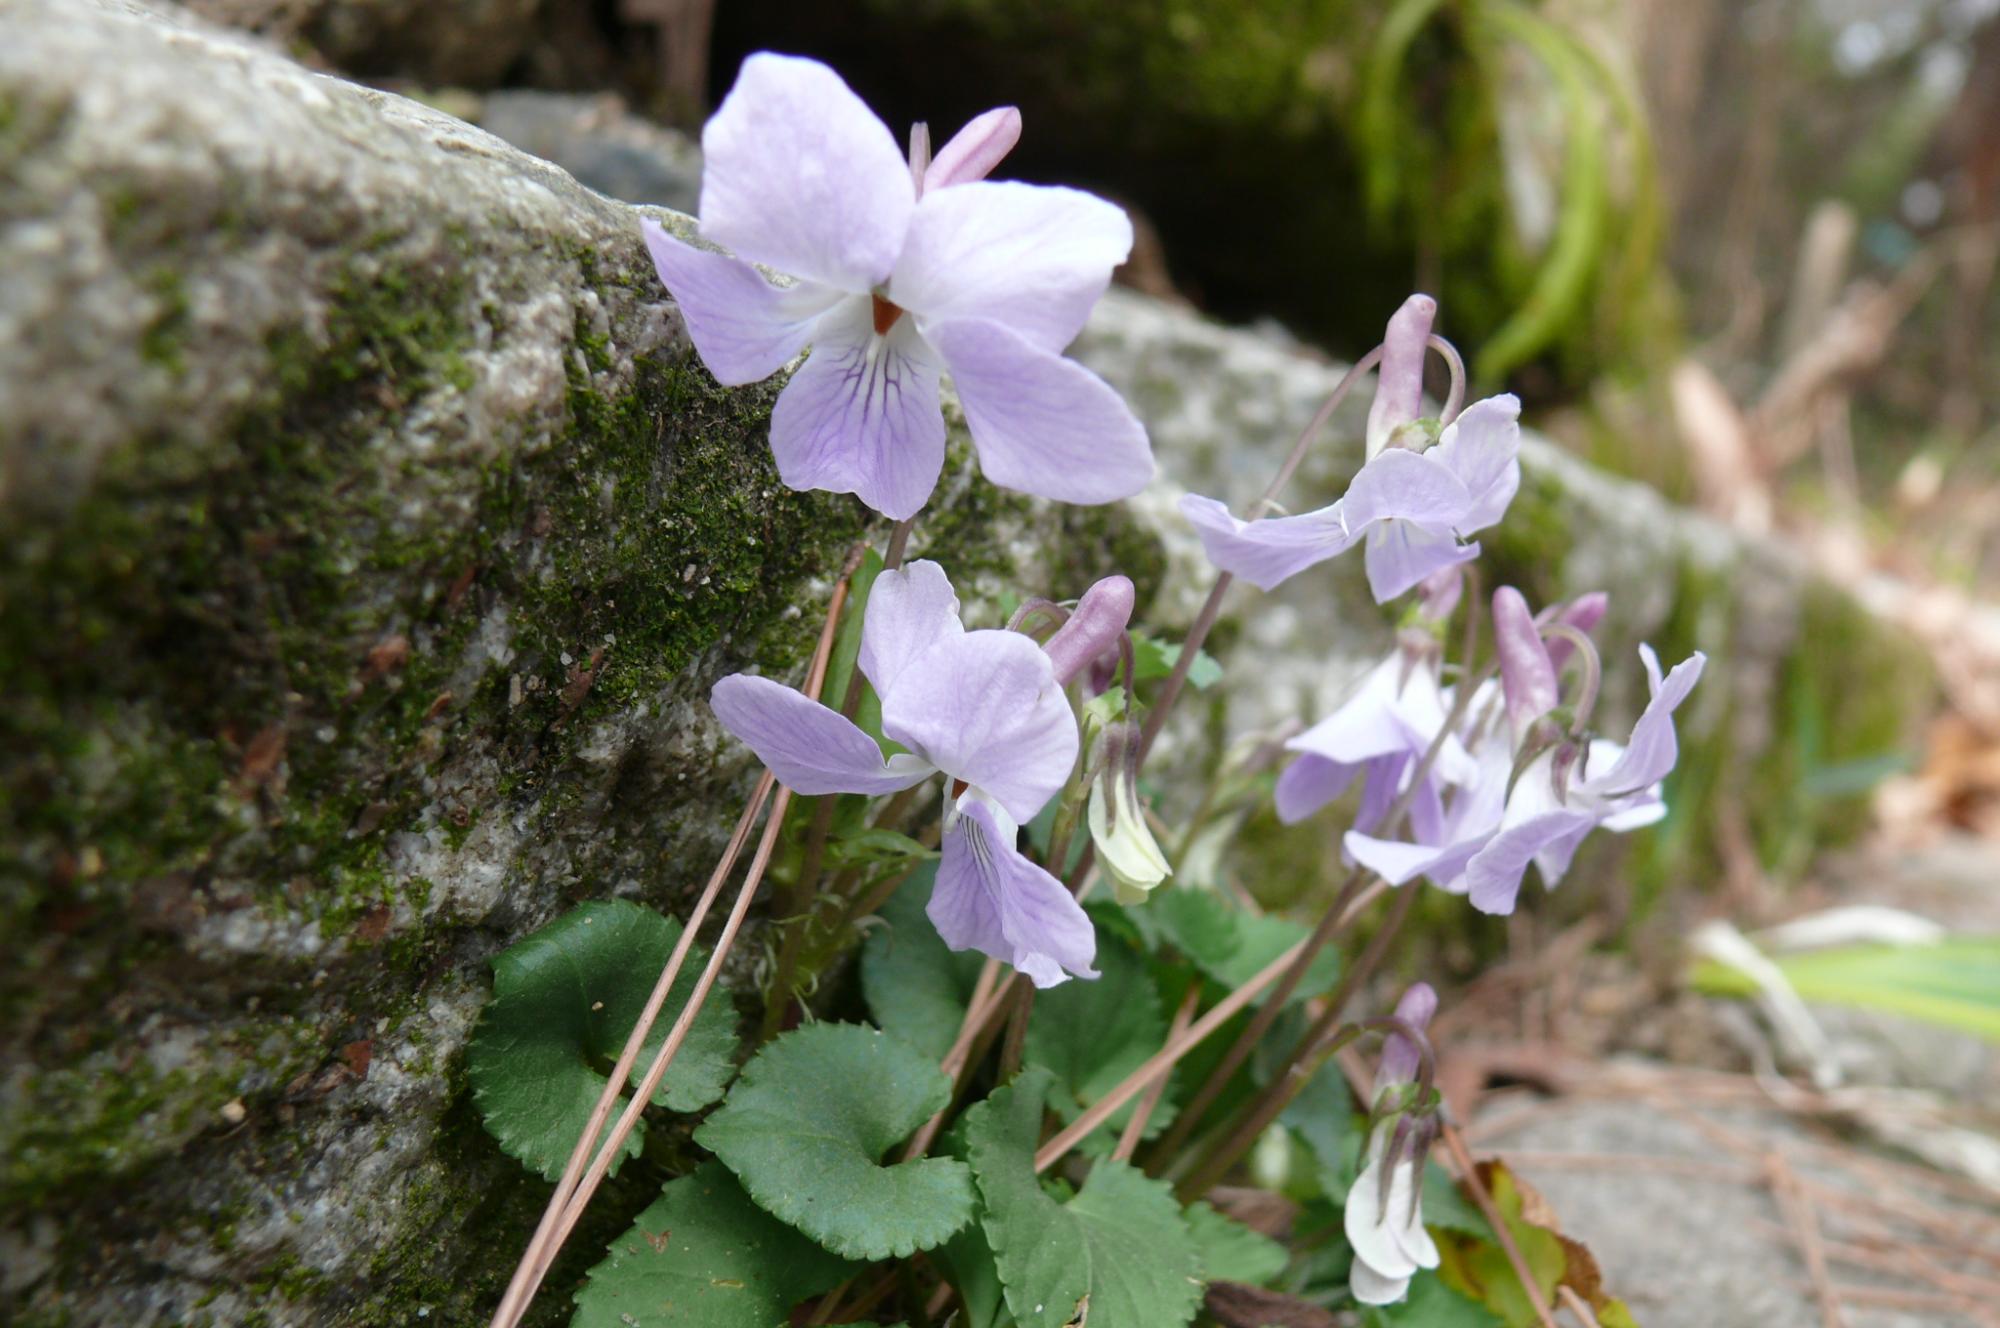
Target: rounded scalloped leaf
x=805, y=1129
x=704, y=1256
x=564, y=1001
x=1120, y=1243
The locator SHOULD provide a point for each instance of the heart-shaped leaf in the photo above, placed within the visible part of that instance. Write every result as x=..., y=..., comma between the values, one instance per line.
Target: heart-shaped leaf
x=917, y=988
x=564, y=1001
x=704, y=1256
x=1093, y=1034
x=1118, y=1251
x=807, y=1125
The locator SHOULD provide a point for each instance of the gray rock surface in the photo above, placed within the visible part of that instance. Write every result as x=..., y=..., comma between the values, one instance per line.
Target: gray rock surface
x=372, y=540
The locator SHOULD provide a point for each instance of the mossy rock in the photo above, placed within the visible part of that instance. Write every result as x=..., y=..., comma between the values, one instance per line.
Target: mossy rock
x=373, y=541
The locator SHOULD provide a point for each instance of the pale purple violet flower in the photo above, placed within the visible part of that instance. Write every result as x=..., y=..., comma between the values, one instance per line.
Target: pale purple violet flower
x=1384, y=1214
x=986, y=708
x=901, y=273
x=1407, y=508
x=1380, y=732
x=1488, y=832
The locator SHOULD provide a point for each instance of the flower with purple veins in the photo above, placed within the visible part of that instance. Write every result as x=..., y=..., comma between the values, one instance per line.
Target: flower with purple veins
x=1384, y=1216
x=901, y=271
x=1534, y=798
x=984, y=707
x=1408, y=508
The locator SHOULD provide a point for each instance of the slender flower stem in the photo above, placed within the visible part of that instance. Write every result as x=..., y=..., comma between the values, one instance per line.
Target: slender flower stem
x=1456, y=363
x=573, y=1191
x=1331, y=921
x=1162, y=1060
x=580, y=1154
x=1299, y=1064
x=1135, y=1128
x=630, y=1117
x=1015, y=1045
x=1468, y=1172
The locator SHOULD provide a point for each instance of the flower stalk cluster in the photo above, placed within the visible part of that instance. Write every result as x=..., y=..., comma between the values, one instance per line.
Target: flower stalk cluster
x=891, y=270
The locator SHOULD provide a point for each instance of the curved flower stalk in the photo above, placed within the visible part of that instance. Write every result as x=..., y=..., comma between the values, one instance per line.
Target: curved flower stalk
x=1408, y=506
x=1384, y=1216
x=1539, y=790
x=987, y=709
x=901, y=271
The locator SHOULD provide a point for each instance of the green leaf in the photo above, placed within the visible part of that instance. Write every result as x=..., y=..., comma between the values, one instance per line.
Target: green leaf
x=1153, y=658
x=1093, y=1034
x=1230, y=945
x=704, y=1256
x=564, y=1001
x=1230, y=1251
x=806, y=1125
x=1447, y=1208
x=916, y=986
x=1432, y=1304
x=969, y=1267
x=1120, y=1242
x=1954, y=984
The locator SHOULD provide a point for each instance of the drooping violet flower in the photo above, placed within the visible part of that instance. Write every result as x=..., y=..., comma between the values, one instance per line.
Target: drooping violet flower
x=1384, y=1214
x=1381, y=732
x=1409, y=509
x=901, y=272
x=1516, y=811
x=986, y=708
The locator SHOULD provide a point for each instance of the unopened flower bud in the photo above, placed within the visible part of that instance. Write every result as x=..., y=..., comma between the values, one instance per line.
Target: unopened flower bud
x=1399, y=383
x=1438, y=593
x=1094, y=627
x=976, y=149
x=1126, y=848
x=1401, y=1058
x=1527, y=677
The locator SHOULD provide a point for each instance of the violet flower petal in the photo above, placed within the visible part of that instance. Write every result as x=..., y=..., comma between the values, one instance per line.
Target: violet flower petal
x=1402, y=554
x=1482, y=447
x=1583, y=613
x=745, y=328
x=910, y=609
x=862, y=416
x=1309, y=783
x=1033, y=258
x=810, y=748
x=1269, y=552
x=991, y=898
x=1406, y=486
x=1651, y=753
x=986, y=708
x=799, y=175
x=1494, y=873
x=1042, y=424
x=975, y=149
